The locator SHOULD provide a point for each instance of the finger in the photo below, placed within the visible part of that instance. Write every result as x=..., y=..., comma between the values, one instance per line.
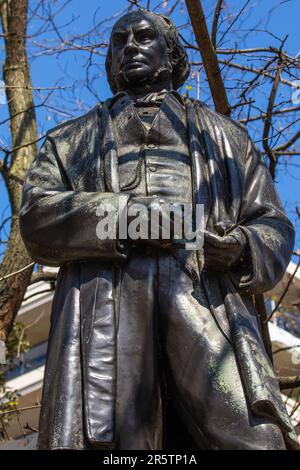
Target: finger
x=220, y=242
x=221, y=251
x=222, y=226
x=211, y=238
x=226, y=263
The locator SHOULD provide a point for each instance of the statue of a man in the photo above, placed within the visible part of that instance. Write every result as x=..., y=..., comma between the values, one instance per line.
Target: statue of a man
x=142, y=328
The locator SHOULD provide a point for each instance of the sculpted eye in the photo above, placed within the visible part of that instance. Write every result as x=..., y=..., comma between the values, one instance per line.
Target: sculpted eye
x=119, y=40
x=144, y=36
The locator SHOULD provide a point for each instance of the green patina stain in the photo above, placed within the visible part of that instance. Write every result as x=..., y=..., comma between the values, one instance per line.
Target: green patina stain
x=227, y=381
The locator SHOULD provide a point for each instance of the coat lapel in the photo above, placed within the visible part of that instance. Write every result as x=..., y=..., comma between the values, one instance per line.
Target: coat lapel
x=200, y=182
x=109, y=152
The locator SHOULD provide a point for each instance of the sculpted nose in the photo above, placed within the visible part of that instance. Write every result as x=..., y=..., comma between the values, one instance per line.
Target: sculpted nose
x=130, y=47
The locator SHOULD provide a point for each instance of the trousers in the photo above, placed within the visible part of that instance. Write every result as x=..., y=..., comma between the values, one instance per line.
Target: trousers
x=170, y=348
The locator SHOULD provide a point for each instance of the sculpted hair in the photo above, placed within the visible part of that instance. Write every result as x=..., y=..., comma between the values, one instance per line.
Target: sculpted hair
x=179, y=59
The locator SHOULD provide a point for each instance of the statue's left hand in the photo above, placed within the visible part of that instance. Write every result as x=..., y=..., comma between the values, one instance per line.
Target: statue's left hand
x=222, y=252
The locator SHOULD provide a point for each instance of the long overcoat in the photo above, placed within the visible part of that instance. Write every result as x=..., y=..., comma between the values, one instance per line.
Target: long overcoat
x=58, y=217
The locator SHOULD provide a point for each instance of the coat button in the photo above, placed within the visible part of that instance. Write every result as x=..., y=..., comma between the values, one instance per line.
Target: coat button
x=152, y=168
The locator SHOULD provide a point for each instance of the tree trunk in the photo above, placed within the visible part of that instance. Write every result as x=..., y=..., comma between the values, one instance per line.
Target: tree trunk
x=24, y=138
x=209, y=57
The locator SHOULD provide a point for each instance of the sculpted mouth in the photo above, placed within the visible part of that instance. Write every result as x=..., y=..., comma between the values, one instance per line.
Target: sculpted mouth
x=133, y=62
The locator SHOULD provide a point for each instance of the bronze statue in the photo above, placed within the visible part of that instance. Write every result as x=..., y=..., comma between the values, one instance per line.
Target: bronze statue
x=145, y=333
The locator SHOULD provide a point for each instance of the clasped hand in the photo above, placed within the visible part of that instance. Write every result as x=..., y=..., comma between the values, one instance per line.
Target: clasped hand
x=221, y=252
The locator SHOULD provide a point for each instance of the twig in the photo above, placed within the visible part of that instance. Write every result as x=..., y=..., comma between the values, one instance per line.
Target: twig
x=20, y=424
x=296, y=407
x=30, y=428
x=286, y=383
x=285, y=349
x=285, y=291
x=17, y=272
x=288, y=144
x=291, y=153
x=3, y=426
x=251, y=70
x=253, y=50
x=25, y=408
x=268, y=121
x=263, y=115
x=214, y=30
x=234, y=21
x=34, y=322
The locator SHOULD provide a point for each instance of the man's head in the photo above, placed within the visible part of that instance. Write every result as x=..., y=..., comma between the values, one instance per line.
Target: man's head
x=145, y=52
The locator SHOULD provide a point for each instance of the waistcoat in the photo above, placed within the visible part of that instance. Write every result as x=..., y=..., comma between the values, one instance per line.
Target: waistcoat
x=153, y=159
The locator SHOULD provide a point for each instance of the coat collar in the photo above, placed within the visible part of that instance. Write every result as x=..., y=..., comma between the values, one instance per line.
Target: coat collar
x=126, y=121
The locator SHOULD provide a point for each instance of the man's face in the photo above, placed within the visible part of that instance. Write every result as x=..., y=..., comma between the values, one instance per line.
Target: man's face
x=139, y=50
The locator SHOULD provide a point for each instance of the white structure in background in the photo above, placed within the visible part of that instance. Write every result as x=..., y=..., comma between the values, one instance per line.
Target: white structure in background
x=27, y=378
x=35, y=311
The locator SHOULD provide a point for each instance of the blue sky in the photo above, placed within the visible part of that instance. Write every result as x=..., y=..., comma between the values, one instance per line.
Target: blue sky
x=50, y=70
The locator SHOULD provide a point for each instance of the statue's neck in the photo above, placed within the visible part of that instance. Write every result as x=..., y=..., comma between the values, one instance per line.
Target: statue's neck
x=162, y=81
x=137, y=93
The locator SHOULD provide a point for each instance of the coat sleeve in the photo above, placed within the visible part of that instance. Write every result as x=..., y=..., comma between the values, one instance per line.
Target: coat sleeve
x=269, y=232
x=59, y=224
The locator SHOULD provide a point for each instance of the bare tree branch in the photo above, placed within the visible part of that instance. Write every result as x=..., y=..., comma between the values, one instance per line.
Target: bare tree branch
x=235, y=20
x=284, y=292
x=268, y=122
x=287, y=348
x=252, y=70
x=214, y=30
x=209, y=56
x=30, y=265
x=277, y=112
x=288, y=144
x=285, y=383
